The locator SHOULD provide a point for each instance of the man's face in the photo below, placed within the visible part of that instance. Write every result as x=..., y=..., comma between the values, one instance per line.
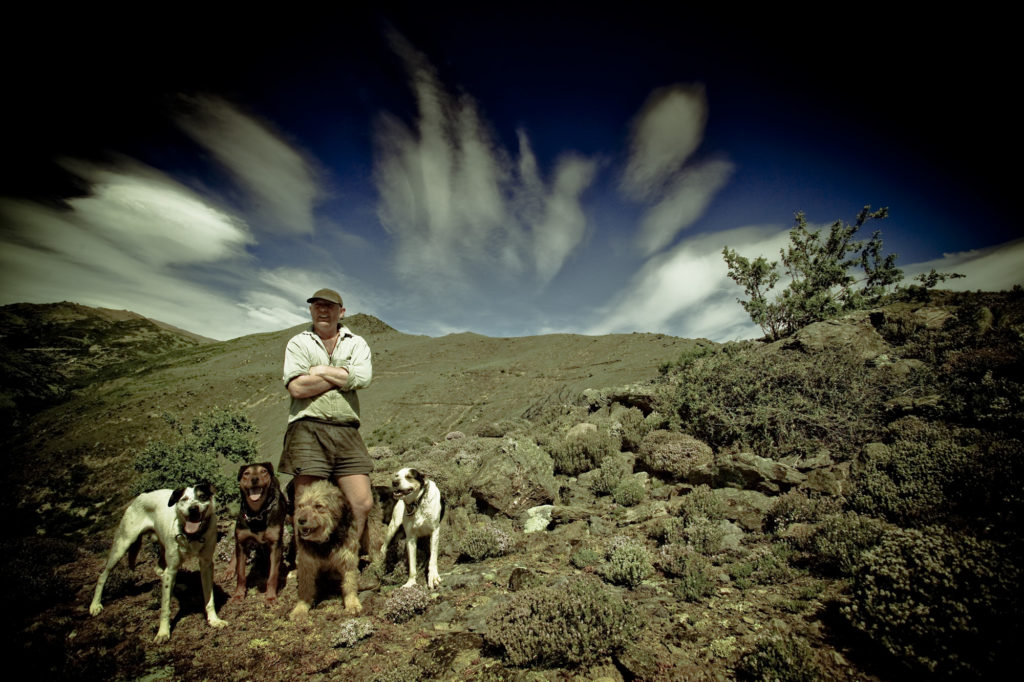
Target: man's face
x=325, y=314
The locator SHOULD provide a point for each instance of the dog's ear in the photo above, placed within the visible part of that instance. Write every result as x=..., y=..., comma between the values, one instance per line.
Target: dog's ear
x=206, y=489
x=175, y=496
x=269, y=467
x=241, y=471
x=418, y=475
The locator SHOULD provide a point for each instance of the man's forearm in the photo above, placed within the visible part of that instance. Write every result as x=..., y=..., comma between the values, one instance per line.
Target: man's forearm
x=336, y=376
x=308, y=386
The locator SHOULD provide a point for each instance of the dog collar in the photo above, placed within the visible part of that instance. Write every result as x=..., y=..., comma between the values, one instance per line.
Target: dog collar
x=263, y=512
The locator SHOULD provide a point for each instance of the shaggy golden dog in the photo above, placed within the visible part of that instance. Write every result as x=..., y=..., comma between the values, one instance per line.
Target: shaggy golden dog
x=326, y=545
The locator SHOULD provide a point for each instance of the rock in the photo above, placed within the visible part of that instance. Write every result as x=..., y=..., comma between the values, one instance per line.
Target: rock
x=747, y=471
x=853, y=332
x=523, y=579
x=454, y=435
x=745, y=507
x=580, y=430
x=833, y=480
x=537, y=519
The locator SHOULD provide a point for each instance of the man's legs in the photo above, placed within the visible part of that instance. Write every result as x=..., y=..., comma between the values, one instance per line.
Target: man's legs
x=357, y=490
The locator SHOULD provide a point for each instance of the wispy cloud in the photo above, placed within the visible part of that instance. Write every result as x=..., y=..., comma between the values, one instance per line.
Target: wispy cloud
x=281, y=180
x=665, y=133
x=457, y=204
x=996, y=268
x=687, y=291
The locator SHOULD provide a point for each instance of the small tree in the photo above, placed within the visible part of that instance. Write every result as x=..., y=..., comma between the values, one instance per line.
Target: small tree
x=821, y=273
x=198, y=452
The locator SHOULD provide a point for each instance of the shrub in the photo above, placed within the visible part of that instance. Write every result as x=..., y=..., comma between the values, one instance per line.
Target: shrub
x=798, y=506
x=838, y=542
x=583, y=452
x=695, y=578
x=585, y=556
x=630, y=492
x=575, y=623
x=667, y=530
x=938, y=601
x=672, y=454
x=701, y=502
x=628, y=563
x=779, y=658
x=704, y=535
x=352, y=631
x=629, y=425
x=198, y=453
x=920, y=476
x=485, y=541
x=404, y=603
x=764, y=567
x=613, y=470
x=778, y=404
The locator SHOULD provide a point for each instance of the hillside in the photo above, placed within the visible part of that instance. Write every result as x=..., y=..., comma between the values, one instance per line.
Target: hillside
x=843, y=504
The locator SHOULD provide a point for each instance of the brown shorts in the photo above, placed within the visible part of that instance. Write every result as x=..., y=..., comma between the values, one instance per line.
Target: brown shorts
x=324, y=450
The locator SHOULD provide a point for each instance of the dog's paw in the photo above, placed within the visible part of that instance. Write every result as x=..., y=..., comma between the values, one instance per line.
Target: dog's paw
x=239, y=594
x=434, y=581
x=411, y=582
x=300, y=611
x=163, y=635
x=352, y=606
x=216, y=622
x=95, y=608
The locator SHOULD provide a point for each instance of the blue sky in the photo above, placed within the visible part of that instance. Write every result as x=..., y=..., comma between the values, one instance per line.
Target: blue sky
x=532, y=170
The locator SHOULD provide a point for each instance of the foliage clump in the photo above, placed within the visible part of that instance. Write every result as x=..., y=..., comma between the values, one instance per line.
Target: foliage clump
x=630, y=492
x=613, y=470
x=838, y=542
x=671, y=454
x=629, y=424
x=575, y=623
x=939, y=601
x=701, y=502
x=405, y=603
x=767, y=566
x=485, y=541
x=694, y=577
x=778, y=404
x=704, y=535
x=582, y=452
x=198, y=453
x=781, y=658
x=799, y=506
x=627, y=563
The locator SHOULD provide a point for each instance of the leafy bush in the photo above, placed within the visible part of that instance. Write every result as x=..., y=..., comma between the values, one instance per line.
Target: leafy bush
x=585, y=556
x=919, y=477
x=613, y=470
x=485, y=541
x=672, y=454
x=779, y=658
x=695, y=578
x=704, y=535
x=630, y=492
x=198, y=453
x=404, y=603
x=628, y=563
x=574, y=623
x=798, y=506
x=939, y=601
x=765, y=566
x=778, y=403
x=629, y=424
x=838, y=542
x=582, y=452
x=701, y=502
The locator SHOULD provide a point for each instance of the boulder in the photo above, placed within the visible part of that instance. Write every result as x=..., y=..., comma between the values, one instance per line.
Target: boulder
x=853, y=332
x=536, y=519
x=747, y=471
x=512, y=478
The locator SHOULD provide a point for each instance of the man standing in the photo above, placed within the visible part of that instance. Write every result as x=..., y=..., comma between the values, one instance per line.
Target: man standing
x=324, y=366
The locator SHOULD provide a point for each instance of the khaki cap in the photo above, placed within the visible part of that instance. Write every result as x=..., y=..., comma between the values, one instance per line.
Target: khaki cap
x=327, y=295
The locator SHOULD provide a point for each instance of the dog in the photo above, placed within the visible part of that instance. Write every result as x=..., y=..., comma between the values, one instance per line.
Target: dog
x=185, y=523
x=327, y=544
x=417, y=510
x=260, y=523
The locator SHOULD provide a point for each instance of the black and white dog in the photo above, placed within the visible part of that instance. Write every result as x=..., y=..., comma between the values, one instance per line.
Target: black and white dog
x=185, y=523
x=418, y=511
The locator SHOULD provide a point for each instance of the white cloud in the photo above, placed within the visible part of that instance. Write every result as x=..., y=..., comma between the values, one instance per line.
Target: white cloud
x=993, y=269
x=458, y=205
x=684, y=202
x=280, y=179
x=687, y=291
x=668, y=129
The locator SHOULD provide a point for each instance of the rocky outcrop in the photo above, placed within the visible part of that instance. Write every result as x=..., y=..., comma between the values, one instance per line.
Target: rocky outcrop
x=747, y=471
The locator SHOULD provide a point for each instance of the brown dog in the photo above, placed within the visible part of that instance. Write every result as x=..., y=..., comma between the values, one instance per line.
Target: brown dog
x=327, y=545
x=260, y=523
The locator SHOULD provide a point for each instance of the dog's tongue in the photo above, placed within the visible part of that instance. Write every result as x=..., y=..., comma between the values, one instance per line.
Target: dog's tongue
x=191, y=527
x=255, y=494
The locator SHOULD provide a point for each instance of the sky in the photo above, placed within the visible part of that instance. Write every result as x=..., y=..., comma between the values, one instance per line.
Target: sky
x=535, y=169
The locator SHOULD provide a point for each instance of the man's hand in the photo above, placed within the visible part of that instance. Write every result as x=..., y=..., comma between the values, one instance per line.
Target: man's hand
x=336, y=376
